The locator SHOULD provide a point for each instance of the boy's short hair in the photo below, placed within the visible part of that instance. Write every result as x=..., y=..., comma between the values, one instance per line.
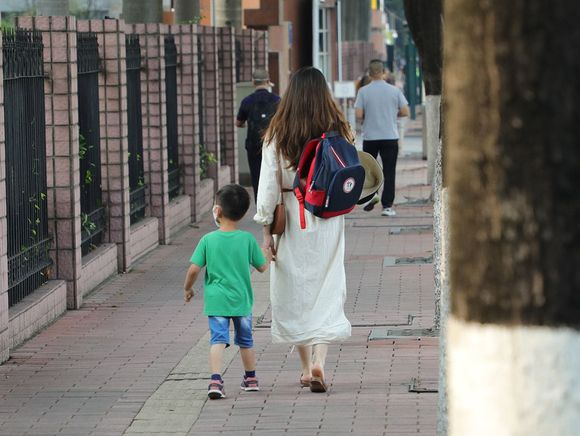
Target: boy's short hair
x=234, y=201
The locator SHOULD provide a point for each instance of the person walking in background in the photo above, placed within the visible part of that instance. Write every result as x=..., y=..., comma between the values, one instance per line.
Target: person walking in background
x=307, y=280
x=227, y=254
x=363, y=81
x=378, y=105
x=257, y=109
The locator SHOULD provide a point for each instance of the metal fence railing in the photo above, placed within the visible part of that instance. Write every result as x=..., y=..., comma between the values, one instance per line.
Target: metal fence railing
x=203, y=161
x=222, y=102
x=26, y=190
x=135, y=128
x=171, y=112
x=92, y=210
x=239, y=59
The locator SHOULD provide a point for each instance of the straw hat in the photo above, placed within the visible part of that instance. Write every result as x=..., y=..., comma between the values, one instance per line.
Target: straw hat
x=373, y=176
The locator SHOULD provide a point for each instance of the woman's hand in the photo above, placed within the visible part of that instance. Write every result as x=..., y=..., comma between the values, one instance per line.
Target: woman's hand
x=269, y=242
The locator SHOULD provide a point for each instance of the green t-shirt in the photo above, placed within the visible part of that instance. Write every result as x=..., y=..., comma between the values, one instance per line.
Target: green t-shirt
x=227, y=257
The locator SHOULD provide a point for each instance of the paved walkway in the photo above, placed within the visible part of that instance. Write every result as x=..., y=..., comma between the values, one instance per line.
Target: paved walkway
x=133, y=358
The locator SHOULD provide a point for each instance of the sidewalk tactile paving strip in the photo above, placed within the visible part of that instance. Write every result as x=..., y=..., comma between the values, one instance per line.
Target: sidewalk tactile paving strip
x=400, y=261
x=388, y=333
x=411, y=229
x=423, y=386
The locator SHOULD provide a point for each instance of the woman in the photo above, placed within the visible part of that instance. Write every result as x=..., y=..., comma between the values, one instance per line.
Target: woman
x=307, y=281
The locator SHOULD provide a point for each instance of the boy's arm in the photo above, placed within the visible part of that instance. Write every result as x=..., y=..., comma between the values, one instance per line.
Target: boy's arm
x=190, y=279
x=267, y=252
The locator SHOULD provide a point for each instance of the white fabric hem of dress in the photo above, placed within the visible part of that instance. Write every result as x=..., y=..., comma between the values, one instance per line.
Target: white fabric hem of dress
x=313, y=338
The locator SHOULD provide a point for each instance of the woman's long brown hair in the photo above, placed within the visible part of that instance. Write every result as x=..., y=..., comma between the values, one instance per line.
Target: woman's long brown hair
x=306, y=111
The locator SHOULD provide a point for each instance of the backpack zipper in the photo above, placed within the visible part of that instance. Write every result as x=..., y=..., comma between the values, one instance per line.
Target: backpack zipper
x=337, y=157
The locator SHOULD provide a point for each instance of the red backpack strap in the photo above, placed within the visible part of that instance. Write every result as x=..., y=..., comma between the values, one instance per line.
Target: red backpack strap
x=300, y=197
x=308, y=156
x=309, y=149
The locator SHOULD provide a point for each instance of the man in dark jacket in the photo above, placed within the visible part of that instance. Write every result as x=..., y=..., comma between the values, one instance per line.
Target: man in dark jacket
x=256, y=110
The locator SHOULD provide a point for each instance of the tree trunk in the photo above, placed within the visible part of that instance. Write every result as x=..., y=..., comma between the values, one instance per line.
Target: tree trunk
x=186, y=10
x=52, y=8
x=425, y=23
x=143, y=11
x=424, y=19
x=514, y=164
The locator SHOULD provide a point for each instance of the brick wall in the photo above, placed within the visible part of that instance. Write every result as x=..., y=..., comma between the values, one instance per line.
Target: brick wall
x=62, y=147
x=211, y=97
x=155, y=156
x=187, y=107
x=228, y=101
x=246, y=54
x=114, y=146
x=206, y=94
x=260, y=49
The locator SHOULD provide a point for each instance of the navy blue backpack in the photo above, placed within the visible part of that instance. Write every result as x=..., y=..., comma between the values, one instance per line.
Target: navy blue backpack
x=329, y=178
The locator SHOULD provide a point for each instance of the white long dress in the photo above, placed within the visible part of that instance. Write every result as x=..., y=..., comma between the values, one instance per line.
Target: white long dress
x=307, y=281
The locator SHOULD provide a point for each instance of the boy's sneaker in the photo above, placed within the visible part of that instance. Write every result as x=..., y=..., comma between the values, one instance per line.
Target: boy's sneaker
x=388, y=211
x=250, y=384
x=215, y=390
x=371, y=204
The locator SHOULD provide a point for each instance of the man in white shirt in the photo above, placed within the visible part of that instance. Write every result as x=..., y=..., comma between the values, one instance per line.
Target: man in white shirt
x=378, y=105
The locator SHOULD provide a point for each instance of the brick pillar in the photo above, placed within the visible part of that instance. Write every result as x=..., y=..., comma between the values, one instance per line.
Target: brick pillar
x=247, y=55
x=187, y=112
x=260, y=39
x=211, y=98
x=228, y=101
x=4, y=337
x=114, y=144
x=155, y=122
x=62, y=147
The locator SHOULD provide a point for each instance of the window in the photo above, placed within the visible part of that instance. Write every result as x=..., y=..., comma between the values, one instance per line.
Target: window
x=324, y=43
x=321, y=42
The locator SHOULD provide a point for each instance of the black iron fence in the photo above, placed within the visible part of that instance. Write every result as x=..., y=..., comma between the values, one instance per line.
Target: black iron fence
x=171, y=112
x=203, y=164
x=27, y=217
x=92, y=210
x=135, y=127
x=239, y=60
x=222, y=101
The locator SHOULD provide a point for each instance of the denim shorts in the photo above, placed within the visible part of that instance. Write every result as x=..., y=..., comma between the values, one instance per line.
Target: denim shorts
x=219, y=327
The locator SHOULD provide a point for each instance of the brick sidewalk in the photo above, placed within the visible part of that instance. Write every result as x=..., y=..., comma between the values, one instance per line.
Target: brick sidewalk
x=133, y=358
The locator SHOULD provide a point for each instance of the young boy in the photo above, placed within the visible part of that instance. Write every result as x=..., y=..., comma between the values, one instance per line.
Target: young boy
x=227, y=254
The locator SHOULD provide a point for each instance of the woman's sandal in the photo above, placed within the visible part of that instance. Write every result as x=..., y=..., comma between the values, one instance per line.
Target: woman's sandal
x=317, y=383
x=304, y=382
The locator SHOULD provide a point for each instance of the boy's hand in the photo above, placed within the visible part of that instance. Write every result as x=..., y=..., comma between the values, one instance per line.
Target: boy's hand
x=267, y=251
x=187, y=295
x=270, y=246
